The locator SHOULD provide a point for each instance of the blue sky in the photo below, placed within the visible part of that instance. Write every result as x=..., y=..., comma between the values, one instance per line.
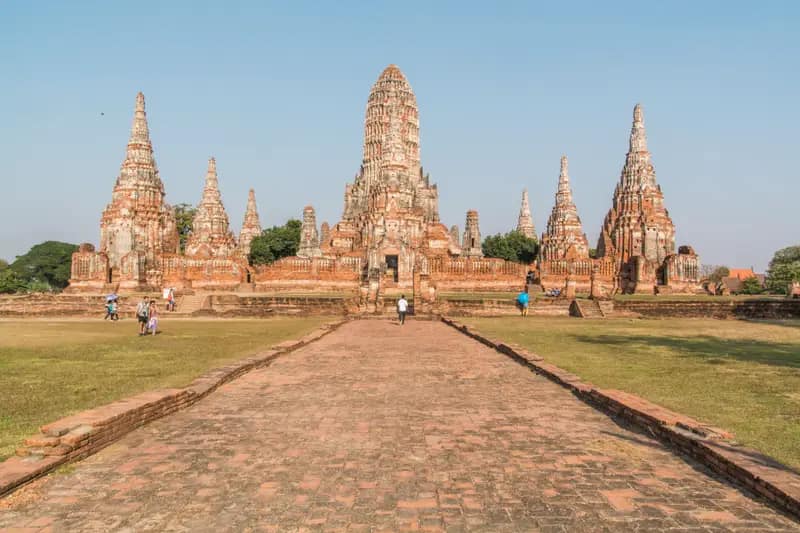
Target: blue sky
x=277, y=93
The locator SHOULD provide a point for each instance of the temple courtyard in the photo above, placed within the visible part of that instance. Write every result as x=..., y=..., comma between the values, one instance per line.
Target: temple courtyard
x=381, y=427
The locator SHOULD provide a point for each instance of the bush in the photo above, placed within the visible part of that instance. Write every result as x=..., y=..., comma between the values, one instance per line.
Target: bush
x=783, y=269
x=46, y=263
x=513, y=246
x=751, y=285
x=275, y=243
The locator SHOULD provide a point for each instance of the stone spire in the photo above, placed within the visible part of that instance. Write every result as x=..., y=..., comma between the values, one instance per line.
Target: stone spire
x=525, y=220
x=324, y=233
x=471, y=246
x=251, y=227
x=138, y=219
x=391, y=149
x=455, y=233
x=211, y=234
x=564, y=238
x=309, y=238
x=637, y=224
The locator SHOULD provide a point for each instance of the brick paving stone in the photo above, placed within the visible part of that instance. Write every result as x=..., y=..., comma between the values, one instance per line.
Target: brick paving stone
x=379, y=427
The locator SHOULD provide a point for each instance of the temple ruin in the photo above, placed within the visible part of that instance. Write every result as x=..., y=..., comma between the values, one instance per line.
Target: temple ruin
x=390, y=237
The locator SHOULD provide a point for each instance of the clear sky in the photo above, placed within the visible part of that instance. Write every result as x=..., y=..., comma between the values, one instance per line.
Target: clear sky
x=277, y=93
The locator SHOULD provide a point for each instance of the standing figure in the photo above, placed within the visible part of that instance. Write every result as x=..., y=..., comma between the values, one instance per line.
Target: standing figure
x=522, y=302
x=402, y=309
x=142, y=315
x=152, y=324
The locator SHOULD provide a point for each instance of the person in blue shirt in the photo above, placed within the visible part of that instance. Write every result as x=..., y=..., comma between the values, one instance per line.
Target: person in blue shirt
x=522, y=303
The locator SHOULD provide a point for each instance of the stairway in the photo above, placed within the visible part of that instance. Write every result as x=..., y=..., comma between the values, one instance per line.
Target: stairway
x=586, y=309
x=189, y=303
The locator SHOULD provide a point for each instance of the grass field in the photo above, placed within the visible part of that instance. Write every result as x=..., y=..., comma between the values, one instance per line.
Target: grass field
x=737, y=375
x=50, y=369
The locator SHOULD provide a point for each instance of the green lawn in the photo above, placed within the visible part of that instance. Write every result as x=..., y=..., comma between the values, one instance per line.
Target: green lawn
x=737, y=375
x=50, y=369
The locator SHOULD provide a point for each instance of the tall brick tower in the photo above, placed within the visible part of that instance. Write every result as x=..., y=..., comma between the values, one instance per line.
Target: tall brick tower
x=138, y=225
x=638, y=231
x=211, y=234
x=564, y=237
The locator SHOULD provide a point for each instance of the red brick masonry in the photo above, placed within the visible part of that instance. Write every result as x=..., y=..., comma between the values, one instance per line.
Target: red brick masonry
x=711, y=446
x=80, y=435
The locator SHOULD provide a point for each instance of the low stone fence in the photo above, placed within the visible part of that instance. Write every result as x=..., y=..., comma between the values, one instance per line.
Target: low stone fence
x=78, y=436
x=712, y=447
x=489, y=306
x=232, y=305
x=711, y=308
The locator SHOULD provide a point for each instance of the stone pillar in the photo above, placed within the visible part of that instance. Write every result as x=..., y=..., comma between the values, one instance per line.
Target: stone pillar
x=471, y=245
x=309, y=237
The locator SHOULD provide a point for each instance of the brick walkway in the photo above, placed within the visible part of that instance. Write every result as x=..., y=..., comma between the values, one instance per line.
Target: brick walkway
x=382, y=427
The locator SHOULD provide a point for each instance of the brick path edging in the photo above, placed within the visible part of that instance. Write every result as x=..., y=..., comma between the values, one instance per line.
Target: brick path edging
x=713, y=447
x=80, y=435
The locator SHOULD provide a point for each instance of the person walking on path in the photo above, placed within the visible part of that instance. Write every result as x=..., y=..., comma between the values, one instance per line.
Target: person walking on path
x=142, y=315
x=522, y=302
x=109, y=310
x=113, y=308
x=402, y=308
x=152, y=314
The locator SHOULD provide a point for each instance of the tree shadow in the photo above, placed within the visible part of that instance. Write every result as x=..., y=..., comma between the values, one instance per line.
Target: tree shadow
x=714, y=350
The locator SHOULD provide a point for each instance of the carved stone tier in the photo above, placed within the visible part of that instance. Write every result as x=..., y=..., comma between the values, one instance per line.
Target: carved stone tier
x=211, y=234
x=525, y=220
x=251, y=227
x=564, y=238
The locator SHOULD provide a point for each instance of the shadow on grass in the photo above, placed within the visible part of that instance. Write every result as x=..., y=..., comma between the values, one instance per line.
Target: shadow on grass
x=713, y=350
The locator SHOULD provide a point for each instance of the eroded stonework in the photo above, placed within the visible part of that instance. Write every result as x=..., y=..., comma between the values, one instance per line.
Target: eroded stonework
x=525, y=220
x=211, y=234
x=309, y=237
x=251, y=226
x=471, y=244
x=638, y=232
x=564, y=238
x=391, y=213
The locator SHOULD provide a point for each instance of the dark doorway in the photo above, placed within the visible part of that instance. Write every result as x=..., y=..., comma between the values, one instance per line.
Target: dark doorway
x=391, y=265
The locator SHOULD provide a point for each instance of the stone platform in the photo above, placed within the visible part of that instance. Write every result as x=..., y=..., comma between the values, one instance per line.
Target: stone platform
x=381, y=427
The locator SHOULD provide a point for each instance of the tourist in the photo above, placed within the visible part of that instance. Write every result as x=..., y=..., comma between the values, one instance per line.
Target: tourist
x=109, y=310
x=171, y=300
x=402, y=308
x=114, y=310
x=152, y=313
x=142, y=315
x=522, y=302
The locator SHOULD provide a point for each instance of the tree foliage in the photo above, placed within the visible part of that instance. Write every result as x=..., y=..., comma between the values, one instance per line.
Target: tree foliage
x=783, y=269
x=718, y=273
x=10, y=282
x=750, y=285
x=48, y=262
x=513, y=246
x=184, y=216
x=275, y=243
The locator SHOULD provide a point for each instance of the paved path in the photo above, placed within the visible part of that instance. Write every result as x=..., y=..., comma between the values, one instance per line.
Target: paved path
x=382, y=427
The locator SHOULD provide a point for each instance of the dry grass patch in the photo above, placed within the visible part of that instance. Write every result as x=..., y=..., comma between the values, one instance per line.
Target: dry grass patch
x=50, y=368
x=743, y=376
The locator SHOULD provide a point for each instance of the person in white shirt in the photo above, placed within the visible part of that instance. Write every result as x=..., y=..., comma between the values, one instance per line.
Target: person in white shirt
x=402, y=308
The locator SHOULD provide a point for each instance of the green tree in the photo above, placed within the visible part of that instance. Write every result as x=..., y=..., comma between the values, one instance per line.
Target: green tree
x=184, y=216
x=751, y=285
x=3, y=264
x=275, y=243
x=718, y=273
x=513, y=246
x=48, y=262
x=783, y=269
x=10, y=282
